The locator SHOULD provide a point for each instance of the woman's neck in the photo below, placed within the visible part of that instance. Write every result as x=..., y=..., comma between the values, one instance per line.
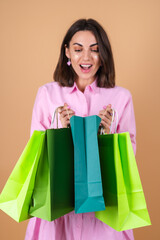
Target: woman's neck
x=83, y=83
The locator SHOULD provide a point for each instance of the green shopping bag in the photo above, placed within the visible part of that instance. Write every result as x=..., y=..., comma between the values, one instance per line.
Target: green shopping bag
x=16, y=195
x=53, y=194
x=122, y=189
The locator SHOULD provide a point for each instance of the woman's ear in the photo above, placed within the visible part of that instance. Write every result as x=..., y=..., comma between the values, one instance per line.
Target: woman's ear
x=67, y=52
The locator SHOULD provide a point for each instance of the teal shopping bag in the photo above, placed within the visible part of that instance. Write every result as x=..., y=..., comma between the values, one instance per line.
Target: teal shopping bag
x=87, y=172
x=16, y=195
x=123, y=193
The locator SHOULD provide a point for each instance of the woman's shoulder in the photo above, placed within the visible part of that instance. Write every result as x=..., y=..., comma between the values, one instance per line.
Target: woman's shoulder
x=50, y=86
x=117, y=91
x=50, y=89
x=122, y=91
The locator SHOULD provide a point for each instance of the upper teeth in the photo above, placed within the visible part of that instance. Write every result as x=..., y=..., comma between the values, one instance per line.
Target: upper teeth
x=85, y=65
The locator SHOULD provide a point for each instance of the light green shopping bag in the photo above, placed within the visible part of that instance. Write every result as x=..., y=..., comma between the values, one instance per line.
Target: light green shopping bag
x=16, y=195
x=124, y=198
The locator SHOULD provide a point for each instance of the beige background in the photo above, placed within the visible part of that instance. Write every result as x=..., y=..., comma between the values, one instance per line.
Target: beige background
x=30, y=36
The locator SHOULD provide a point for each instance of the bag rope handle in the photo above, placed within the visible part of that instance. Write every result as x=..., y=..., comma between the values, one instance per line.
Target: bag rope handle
x=55, y=114
x=114, y=115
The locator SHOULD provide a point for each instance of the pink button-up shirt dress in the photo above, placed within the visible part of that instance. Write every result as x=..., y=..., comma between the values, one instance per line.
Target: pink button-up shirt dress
x=83, y=226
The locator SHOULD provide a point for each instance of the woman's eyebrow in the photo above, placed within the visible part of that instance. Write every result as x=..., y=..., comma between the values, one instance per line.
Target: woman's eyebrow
x=78, y=44
x=82, y=45
x=93, y=44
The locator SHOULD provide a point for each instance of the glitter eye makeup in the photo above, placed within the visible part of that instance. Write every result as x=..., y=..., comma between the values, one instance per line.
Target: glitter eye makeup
x=94, y=49
x=78, y=49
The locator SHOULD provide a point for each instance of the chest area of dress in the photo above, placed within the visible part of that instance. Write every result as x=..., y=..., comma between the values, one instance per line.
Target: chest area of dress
x=84, y=104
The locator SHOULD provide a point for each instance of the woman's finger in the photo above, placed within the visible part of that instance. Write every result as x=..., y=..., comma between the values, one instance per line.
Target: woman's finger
x=105, y=119
x=107, y=112
x=106, y=126
x=71, y=114
x=102, y=112
x=64, y=118
x=68, y=113
x=64, y=107
x=106, y=116
x=63, y=114
x=64, y=121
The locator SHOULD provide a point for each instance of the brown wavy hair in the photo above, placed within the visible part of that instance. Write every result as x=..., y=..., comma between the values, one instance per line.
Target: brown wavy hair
x=66, y=75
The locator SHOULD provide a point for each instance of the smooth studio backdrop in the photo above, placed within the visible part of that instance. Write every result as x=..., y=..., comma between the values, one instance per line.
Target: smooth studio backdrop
x=31, y=33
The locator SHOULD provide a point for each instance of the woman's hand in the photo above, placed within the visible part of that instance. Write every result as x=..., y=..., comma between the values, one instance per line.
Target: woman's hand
x=106, y=116
x=65, y=114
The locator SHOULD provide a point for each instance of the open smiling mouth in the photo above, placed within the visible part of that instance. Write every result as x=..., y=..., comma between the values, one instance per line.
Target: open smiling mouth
x=85, y=66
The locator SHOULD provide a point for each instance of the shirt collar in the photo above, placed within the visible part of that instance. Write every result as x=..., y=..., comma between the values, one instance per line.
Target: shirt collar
x=71, y=89
x=93, y=87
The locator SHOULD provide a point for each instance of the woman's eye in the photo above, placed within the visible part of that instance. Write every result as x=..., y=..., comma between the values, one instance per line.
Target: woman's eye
x=78, y=50
x=95, y=50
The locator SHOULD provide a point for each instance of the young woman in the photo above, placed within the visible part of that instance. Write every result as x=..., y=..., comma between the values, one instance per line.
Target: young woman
x=84, y=85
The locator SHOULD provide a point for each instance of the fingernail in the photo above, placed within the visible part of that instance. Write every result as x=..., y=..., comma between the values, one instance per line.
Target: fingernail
x=68, y=107
x=104, y=107
x=109, y=105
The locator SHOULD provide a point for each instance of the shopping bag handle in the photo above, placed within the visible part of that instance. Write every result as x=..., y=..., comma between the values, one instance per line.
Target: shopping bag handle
x=55, y=114
x=114, y=115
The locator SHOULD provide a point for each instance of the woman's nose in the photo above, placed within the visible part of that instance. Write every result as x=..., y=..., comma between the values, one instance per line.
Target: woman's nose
x=86, y=55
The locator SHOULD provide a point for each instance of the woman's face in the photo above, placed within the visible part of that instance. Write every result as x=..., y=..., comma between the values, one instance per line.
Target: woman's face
x=84, y=54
